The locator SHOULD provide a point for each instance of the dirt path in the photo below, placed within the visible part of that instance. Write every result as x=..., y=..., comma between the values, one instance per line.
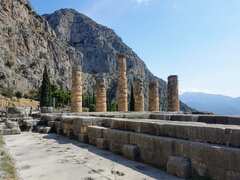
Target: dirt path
x=50, y=157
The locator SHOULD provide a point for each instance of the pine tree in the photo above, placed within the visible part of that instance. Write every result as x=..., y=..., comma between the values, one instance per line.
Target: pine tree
x=45, y=94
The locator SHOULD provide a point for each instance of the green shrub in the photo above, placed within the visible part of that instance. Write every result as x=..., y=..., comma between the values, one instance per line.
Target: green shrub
x=18, y=94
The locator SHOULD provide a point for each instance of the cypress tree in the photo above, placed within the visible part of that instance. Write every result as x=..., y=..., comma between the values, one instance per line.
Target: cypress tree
x=45, y=94
x=132, y=100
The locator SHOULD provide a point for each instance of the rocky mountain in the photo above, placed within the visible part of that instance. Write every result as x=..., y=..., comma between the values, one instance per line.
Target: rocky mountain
x=99, y=46
x=218, y=104
x=28, y=42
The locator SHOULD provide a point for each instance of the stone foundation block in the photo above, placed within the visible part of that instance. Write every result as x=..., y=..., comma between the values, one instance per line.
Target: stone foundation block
x=117, y=140
x=95, y=132
x=102, y=143
x=131, y=152
x=83, y=138
x=179, y=166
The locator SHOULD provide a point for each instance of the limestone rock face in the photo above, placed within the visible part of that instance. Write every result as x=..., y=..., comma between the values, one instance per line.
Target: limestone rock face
x=27, y=44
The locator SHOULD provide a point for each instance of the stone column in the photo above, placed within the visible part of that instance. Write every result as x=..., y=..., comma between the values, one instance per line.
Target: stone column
x=101, y=99
x=154, y=96
x=122, y=91
x=76, y=94
x=173, y=96
x=138, y=96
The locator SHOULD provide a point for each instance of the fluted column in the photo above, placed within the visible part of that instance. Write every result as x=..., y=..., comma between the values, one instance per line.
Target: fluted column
x=154, y=96
x=76, y=95
x=122, y=91
x=101, y=99
x=138, y=95
x=173, y=96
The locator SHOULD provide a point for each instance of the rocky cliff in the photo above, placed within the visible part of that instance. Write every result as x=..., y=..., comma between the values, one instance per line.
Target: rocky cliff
x=28, y=42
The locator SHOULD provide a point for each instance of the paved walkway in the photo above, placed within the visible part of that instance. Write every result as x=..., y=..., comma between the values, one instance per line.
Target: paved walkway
x=50, y=157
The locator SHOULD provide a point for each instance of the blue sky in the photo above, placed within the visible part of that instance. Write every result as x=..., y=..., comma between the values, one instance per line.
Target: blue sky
x=198, y=40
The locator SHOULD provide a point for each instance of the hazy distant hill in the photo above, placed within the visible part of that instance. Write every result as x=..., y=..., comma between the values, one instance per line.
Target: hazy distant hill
x=218, y=104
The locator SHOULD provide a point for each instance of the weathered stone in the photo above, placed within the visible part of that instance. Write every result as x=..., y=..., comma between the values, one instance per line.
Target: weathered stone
x=154, y=96
x=44, y=130
x=83, y=138
x=101, y=99
x=131, y=152
x=102, y=143
x=173, y=96
x=122, y=91
x=179, y=166
x=95, y=132
x=76, y=95
x=138, y=95
x=117, y=139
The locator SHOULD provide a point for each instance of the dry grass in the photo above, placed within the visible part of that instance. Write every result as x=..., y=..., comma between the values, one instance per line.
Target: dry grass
x=6, y=164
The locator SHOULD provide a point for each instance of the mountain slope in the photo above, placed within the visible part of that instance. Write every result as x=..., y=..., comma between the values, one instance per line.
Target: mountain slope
x=100, y=45
x=27, y=44
x=218, y=104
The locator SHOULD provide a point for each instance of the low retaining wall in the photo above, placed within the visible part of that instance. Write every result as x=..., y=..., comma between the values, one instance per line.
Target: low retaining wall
x=182, y=148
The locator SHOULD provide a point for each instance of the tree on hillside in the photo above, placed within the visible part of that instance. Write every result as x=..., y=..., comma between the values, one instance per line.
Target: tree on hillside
x=45, y=92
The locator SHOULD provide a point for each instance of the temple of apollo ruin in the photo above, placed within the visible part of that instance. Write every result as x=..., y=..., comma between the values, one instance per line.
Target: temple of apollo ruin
x=122, y=92
x=185, y=146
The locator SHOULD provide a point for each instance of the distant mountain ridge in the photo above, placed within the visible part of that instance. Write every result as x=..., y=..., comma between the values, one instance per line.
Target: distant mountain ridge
x=218, y=104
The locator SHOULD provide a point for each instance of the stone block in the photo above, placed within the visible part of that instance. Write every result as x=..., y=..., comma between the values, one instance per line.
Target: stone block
x=148, y=128
x=130, y=152
x=117, y=139
x=95, y=132
x=43, y=130
x=179, y=166
x=83, y=138
x=102, y=143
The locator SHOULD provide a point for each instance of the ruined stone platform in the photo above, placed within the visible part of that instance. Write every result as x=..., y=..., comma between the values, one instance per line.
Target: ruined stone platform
x=45, y=157
x=182, y=144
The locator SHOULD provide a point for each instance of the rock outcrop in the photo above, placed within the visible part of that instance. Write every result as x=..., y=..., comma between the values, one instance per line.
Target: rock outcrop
x=27, y=44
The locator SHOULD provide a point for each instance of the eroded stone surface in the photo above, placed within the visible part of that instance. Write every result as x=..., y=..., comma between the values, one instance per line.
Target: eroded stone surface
x=47, y=157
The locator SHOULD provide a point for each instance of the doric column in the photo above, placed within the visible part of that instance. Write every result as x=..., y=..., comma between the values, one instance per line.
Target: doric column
x=138, y=95
x=173, y=96
x=122, y=91
x=101, y=100
x=76, y=95
x=154, y=96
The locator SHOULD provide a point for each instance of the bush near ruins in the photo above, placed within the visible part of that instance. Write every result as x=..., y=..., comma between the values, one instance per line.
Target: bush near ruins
x=61, y=97
x=89, y=102
x=18, y=95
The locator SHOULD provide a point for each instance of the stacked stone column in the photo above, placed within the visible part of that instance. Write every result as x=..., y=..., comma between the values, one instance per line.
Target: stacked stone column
x=173, y=96
x=101, y=99
x=138, y=95
x=154, y=96
x=76, y=94
x=122, y=91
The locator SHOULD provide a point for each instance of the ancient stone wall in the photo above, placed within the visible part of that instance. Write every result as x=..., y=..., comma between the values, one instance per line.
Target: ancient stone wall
x=184, y=149
x=138, y=95
x=76, y=95
x=154, y=96
x=101, y=100
x=122, y=91
x=173, y=96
